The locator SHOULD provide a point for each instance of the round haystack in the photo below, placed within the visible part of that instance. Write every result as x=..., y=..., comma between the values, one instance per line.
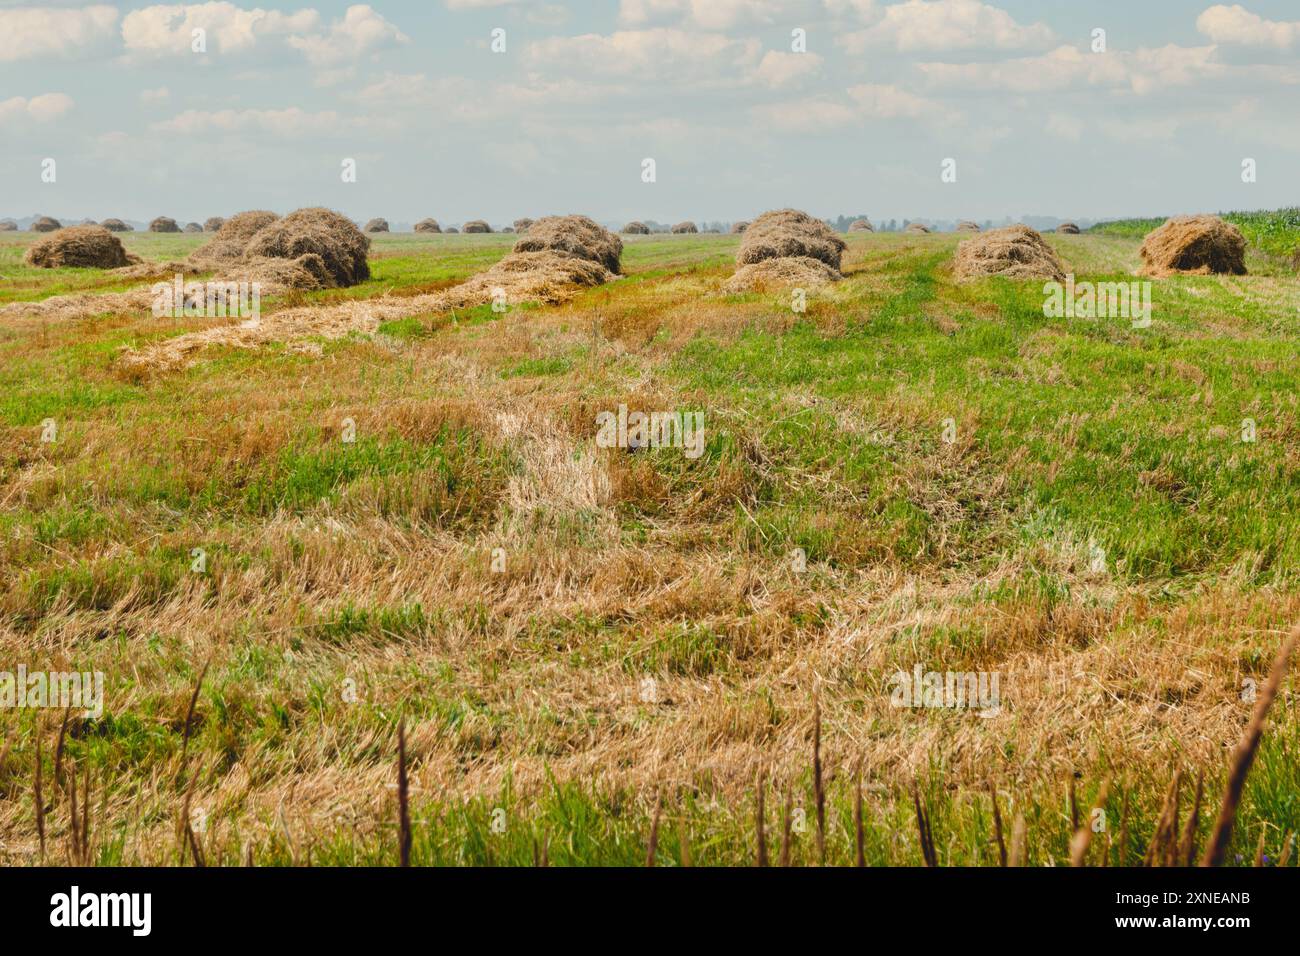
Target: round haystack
x=193, y=227
x=477, y=225
x=508, y=230
x=341, y=247
x=685, y=227
x=376, y=225
x=88, y=247
x=428, y=225
x=967, y=226
x=738, y=228
x=784, y=272
x=45, y=224
x=1016, y=252
x=116, y=225
x=213, y=223
x=452, y=229
x=232, y=237
x=87, y=222
x=1068, y=229
x=1194, y=245
x=577, y=236
x=523, y=225
x=784, y=233
x=8, y=225
x=917, y=228
x=635, y=228
x=164, y=224
x=861, y=225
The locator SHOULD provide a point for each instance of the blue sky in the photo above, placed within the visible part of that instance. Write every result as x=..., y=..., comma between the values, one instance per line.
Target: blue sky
x=737, y=122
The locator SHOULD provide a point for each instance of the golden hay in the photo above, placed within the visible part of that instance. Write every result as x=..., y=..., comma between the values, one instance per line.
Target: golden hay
x=8, y=225
x=117, y=225
x=92, y=247
x=576, y=236
x=428, y=225
x=193, y=227
x=45, y=224
x=523, y=225
x=784, y=233
x=164, y=224
x=861, y=225
x=1068, y=229
x=685, y=227
x=1194, y=245
x=967, y=226
x=376, y=225
x=341, y=247
x=737, y=228
x=231, y=238
x=780, y=273
x=635, y=228
x=1016, y=252
x=477, y=225
x=213, y=223
x=916, y=227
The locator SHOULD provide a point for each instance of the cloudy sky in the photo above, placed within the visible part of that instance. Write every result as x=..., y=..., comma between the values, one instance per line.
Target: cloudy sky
x=439, y=123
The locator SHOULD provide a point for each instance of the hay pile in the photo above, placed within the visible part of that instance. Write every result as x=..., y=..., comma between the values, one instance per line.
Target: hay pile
x=213, y=223
x=782, y=273
x=685, y=227
x=789, y=233
x=231, y=239
x=577, y=236
x=1016, y=252
x=452, y=229
x=523, y=225
x=967, y=226
x=193, y=227
x=1068, y=229
x=89, y=247
x=738, y=228
x=508, y=230
x=164, y=224
x=428, y=225
x=916, y=227
x=635, y=228
x=45, y=224
x=1194, y=245
x=8, y=225
x=477, y=225
x=861, y=225
x=376, y=225
x=87, y=222
x=341, y=247
x=116, y=225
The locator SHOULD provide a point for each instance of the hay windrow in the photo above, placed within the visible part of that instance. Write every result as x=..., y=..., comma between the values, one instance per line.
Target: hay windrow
x=1194, y=245
x=477, y=226
x=45, y=224
x=782, y=273
x=789, y=233
x=683, y=228
x=342, y=248
x=577, y=236
x=635, y=228
x=376, y=225
x=1016, y=252
x=164, y=224
x=428, y=225
x=92, y=247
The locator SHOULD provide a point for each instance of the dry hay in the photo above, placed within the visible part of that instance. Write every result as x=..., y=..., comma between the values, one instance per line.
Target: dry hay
x=232, y=238
x=784, y=233
x=523, y=225
x=452, y=229
x=87, y=222
x=967, y=226
x=117, y=225
x=916, y=227
x=8, y=225
x=213, y=223
x=685, y=227
x=861, y=225
x=1194, y=245
x=477, y=225
x=164, y=224
x=510, y=230
x=737, y=228
x=1068, y=229
x=635, y=228
x=45, y=224
x=428, y=225
x=193, y=227
x=92, y=247
x=376, y=225
x=781, y=273
x=1016, y=252
x=342, y=248
x=577, y=236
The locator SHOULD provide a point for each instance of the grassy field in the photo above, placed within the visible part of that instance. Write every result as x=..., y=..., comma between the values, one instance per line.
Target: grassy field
x=1275, y=232
x=1096, y=533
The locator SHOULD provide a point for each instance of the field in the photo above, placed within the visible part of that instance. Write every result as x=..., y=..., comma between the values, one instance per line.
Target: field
x=597, y=653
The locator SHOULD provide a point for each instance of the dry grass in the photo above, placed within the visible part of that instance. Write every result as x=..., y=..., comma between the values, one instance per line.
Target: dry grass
x=1016, y=252
x=87, y=247
x=783, y=273
x=1194, y=245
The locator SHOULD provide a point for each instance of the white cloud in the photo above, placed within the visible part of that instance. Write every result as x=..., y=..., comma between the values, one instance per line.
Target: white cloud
x=710, y=14
x=41, y=109
x=362, y=31
x=1237, y=25
x=286, y=123
x=937, y=25
x=154, y=96
x=814, y=115
x=868, y=101
x=1142, y=71
x=778, y=69
x=32, y=32
x=878, y=101
x=654, y=55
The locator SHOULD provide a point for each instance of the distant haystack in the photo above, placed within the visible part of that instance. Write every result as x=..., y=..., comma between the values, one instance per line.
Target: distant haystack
x=967, y=226
x=376, y=225
x=117, y=225
x=685, y=227
x=738, y=228
x=8, y=225
x=636, y=229
x=782, y=273
x=45, y=224
x=164, y=224
x=342, y=248
x=193, y=227
x=577, y=236
x=88, y=222
x=508, y=230
x=1194, y=245
x=1016, y=252
x=917, y=228
x=428, y=225
x=522, y=225
x=213, y=223
x=1068, y=229
x=861, y=225
x=231, y=238
x=452, y=229
x=785, y=233
x=92, y=247
x=477, y=225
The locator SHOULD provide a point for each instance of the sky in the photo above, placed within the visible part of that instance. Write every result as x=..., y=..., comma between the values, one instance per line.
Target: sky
x=560, y=114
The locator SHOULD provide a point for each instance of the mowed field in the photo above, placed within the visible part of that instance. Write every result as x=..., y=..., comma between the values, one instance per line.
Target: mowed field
x=1097, y=534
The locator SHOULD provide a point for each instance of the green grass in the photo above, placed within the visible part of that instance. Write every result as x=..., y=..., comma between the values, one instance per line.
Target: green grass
x=1275, y=232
